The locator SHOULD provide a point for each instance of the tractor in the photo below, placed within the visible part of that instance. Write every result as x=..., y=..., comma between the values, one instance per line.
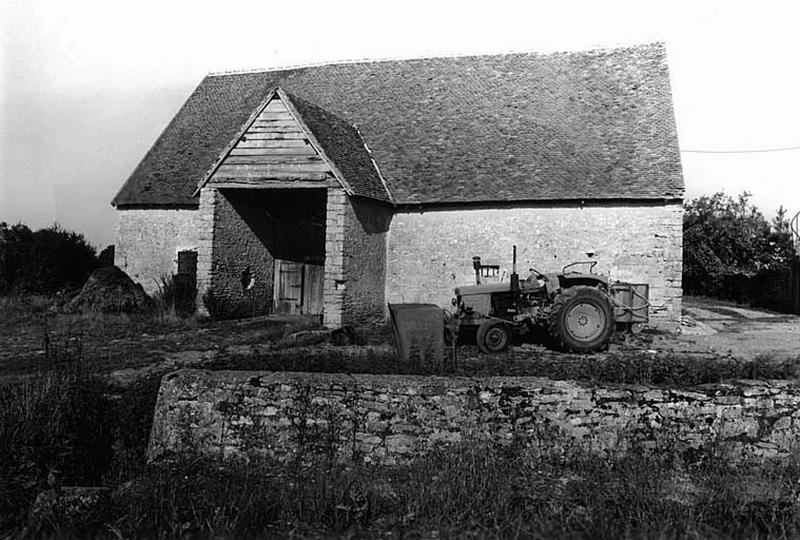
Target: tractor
x=578, y=310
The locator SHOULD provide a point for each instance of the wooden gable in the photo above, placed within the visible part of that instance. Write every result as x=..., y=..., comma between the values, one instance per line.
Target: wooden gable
x=274, y=151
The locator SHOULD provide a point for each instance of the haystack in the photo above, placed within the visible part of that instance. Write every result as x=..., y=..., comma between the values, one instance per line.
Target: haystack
x=110, y=290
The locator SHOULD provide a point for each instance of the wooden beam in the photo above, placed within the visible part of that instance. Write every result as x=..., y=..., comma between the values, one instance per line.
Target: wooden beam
x=273, y=123
x=269, y=168
x=254, y=171
x=275, y=136
x=276, y=129
x=306, y=151
x=275, y=105
x=270, y=159
x=275, y=116
x=261, y=143
x=268, y=183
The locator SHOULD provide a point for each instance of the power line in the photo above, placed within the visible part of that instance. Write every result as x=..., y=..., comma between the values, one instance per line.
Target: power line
x=751, y=151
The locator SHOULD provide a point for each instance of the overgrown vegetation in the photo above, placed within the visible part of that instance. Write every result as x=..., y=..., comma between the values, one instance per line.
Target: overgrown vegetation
x=544, y=488
x=176, y=296
x=62, y=424
x=480, y=490
x=636, y=366
x=44, y=261
x=731, y=251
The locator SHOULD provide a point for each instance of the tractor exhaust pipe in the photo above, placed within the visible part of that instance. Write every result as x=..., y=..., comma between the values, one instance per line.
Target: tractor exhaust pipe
x=514, y=275
x=476, y=264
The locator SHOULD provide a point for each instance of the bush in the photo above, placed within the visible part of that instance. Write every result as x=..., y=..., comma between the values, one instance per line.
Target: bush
x=221, y=307
x=106, y=257
x=177, y=295
x=731, y=251
x=45, y=261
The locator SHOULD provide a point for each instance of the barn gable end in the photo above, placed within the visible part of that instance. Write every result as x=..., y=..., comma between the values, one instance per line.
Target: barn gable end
x=275, y=148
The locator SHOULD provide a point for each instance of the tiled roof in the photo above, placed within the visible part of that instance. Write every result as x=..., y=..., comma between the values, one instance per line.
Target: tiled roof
x=342, y=143
x=563, y=126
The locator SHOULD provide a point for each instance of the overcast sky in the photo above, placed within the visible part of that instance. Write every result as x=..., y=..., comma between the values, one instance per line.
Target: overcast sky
x=86, y=87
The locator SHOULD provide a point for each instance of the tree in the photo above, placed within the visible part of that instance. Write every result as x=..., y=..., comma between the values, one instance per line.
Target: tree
x=44, y=261
x=727, y=241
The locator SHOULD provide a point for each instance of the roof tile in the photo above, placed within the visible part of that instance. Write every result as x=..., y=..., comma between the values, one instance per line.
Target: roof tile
x=579, y=125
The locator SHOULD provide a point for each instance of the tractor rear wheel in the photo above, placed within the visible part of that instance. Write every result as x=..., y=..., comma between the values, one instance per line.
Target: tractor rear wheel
x=493, y=337
x=581, y=319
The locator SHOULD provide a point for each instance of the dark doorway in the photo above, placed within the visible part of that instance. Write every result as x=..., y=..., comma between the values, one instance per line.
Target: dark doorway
x=185, y=282
x=290, y=223
x=187, y=264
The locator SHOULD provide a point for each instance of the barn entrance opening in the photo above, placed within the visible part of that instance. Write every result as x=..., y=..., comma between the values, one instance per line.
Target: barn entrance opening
x=290, y=223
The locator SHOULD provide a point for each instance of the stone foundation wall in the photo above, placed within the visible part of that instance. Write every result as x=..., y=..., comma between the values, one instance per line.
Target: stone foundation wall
x=148, y=242
x=431, y=253
x=391, y=419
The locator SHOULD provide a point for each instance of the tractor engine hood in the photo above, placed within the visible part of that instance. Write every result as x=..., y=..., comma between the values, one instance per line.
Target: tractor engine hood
x=466, y=290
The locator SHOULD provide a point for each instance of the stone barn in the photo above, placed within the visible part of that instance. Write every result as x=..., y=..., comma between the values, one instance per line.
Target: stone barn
x=333, y=190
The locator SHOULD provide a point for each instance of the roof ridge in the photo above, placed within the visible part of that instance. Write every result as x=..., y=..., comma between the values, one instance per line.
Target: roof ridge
x=342, y=62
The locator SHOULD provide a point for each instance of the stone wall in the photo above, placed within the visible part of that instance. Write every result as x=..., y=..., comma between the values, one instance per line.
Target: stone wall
x=148, y=242
x=355, y=260
x=231, y=249
x=334, y=282
x=205, y=244
x=391, y=419
x=430, y=253
x=366, y=226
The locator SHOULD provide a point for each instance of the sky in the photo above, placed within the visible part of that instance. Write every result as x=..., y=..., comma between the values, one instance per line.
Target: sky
x=86, y=87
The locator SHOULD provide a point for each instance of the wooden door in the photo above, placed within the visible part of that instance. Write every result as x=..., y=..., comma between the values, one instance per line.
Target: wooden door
x=288, y=287
x=313, y=278
x=298, y=288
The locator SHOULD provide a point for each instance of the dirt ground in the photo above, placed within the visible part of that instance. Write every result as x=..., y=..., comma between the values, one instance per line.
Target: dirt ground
x=128, y=348
x=712, y=326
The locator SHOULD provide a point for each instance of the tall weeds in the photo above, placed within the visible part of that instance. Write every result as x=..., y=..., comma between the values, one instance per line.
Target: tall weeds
x=54, y=430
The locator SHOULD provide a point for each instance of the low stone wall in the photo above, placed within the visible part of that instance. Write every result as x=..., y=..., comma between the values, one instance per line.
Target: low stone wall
x=391, y=419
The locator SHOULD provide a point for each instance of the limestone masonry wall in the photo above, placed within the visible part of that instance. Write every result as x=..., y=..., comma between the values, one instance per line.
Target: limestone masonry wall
x=430, y=253
x=366, y=225
x=391, y=419
x=148, y=242
x=334, y=282
x=237, y=250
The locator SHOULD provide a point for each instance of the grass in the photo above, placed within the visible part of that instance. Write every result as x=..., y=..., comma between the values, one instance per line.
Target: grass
x=64, y=424
x=117, y=341
x=615, y=367
x=476, y=490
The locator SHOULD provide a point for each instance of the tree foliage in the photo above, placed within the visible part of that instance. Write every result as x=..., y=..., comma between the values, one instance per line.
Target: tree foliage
x=43, y=261
x=727, y=243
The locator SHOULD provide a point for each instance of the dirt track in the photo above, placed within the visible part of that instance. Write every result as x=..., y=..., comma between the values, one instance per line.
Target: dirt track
x=113, y=344
x=715, y=327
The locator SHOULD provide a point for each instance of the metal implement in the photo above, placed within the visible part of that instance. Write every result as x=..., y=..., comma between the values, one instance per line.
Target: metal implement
x=631, y=302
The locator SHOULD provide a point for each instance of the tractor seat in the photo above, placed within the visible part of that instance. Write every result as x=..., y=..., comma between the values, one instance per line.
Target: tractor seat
x=532, y=283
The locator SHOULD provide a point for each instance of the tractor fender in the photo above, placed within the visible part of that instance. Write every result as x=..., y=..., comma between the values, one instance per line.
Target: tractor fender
x=575, y=279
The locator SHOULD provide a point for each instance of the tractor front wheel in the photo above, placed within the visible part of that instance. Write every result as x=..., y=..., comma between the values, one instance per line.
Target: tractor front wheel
x=493, y=336
x=581, y=319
